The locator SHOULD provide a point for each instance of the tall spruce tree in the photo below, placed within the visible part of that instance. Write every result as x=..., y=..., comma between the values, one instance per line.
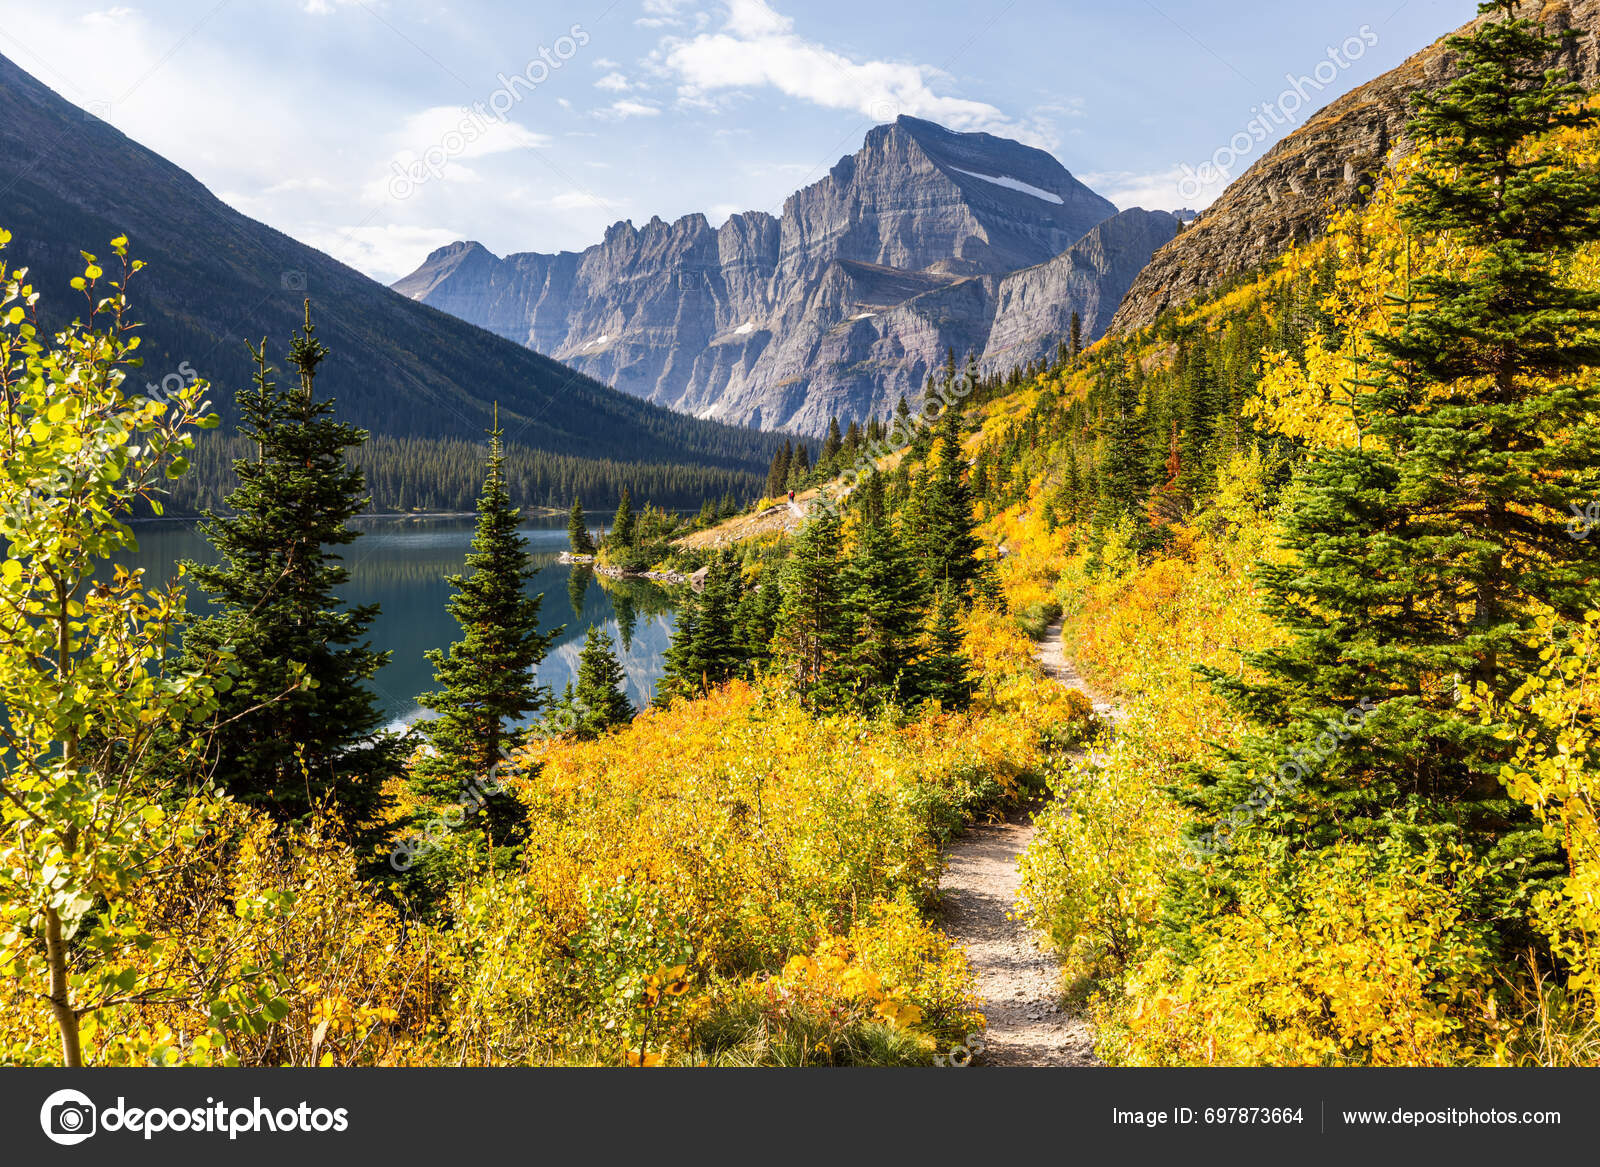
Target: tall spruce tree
x=945, y=672
x=948, y=536
x=707, y=648
x=832, y=443
x=599, y=700
x=578, y=537
x=757, y=619
x=883, y=602
x=1123, y=483
x=624, y=525
x=800, y=467
x=778, y=472
x=486, y=681
x=1421, y=560
x=300, y=726
x=811, y=636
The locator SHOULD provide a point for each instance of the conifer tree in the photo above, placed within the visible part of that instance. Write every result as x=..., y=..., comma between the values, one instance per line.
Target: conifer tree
x=599, y=700
x=757, y=619
x=578, y=531
x=832, y=443
x=778, y=473
x=902, y=422
x=707, y=648
x=810, y=639
x=1072, y=489
x=486, y=679
x=948, y=536
x=282, y=743
x=624, y=525
x=678, y=676
x=800, y=467
x=1422, y=560
x=1077, y=335
x=1122, y=478
x=883, y=602
x=946, y=673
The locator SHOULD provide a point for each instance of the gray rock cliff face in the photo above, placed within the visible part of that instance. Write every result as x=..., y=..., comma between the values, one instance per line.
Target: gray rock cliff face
x=921, y=241
x=1289, y=194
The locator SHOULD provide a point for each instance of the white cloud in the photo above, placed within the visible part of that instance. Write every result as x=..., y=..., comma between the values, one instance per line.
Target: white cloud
x=618, y=110
x=1158, y=191
x=578, y=200
x=462, y=134
x=758, y=48
x=615, y=82
x=660, y=14
x=111, y=16
x=388, y=251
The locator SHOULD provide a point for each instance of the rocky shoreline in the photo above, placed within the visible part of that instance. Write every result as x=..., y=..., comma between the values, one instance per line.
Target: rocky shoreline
x=697, y=581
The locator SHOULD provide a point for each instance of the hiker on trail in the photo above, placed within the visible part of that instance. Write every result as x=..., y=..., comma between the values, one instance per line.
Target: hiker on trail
x=791, y=498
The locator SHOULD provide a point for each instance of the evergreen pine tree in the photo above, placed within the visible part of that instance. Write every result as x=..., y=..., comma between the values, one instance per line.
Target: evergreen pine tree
x=486, y=681
x=810, y=639
x=578, y=531
x=883, y=602
x=1122, y=478
x=599, y=700
x=624, y=525
x=903, y=428
x=1077, y=335
x=299, y=726
x=948, y=536
x=707, y=646
x=945, y=672
x=800, y=467
x=832, y=443
x=679, y=678
x=1421, y=562
x=778, y=473
x=757, y=619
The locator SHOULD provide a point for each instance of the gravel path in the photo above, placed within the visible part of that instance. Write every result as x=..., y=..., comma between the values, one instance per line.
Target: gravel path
x=1020, y=984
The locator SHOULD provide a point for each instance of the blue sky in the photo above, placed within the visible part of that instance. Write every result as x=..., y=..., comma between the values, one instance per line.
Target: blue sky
x=377, y=130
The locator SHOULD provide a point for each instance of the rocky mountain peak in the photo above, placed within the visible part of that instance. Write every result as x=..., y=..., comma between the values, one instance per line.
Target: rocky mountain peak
x=839, y=304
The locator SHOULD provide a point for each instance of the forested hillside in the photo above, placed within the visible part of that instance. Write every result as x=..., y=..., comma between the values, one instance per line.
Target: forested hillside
x=1327, y=536
x=442, y=476
x=217, y=281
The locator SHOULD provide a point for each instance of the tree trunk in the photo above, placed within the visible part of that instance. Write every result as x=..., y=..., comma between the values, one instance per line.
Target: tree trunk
x=60, y=998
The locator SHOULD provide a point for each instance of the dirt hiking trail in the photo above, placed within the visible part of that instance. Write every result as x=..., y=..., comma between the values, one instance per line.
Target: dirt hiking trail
x=1018, y=982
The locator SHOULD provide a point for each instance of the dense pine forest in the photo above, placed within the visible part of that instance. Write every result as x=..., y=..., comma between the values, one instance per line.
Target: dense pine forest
x=442, y=476
x=1323, y=538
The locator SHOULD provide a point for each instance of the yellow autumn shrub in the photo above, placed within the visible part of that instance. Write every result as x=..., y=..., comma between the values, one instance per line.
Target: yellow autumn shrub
x=1344, y=957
